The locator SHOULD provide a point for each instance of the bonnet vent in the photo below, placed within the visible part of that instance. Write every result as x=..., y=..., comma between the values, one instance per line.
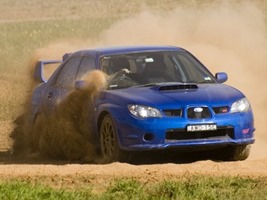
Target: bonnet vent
x=178, y=87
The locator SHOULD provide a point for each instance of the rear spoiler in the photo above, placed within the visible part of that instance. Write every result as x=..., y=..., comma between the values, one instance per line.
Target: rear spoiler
x=38, y=70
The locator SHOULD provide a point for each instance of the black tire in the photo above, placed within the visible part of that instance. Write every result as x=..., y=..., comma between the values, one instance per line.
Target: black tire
x=237, y=153
x=109, y=145
x=241, y=152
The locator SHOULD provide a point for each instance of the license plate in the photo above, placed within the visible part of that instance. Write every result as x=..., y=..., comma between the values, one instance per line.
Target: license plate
x=201, y=127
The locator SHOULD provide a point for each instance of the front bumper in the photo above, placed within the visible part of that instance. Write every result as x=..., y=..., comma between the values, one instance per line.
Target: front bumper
x=170, y=132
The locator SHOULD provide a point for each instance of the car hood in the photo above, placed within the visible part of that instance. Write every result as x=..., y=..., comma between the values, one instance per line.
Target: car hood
x=177, y=94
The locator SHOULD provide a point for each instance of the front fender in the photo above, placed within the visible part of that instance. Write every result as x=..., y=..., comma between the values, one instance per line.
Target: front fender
x=115, y=111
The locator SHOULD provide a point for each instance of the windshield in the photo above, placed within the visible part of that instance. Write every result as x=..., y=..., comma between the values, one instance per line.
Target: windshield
x=148, y=68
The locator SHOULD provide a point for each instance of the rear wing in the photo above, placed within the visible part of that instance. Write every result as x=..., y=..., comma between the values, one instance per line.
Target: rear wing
x=39, y=71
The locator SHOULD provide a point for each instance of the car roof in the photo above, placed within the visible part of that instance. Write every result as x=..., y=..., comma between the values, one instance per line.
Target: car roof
x=127, y=49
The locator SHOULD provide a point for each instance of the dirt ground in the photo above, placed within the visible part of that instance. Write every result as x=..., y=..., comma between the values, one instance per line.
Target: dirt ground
x=70, y=175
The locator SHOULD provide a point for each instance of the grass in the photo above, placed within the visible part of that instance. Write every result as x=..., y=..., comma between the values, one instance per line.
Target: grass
x=19, y=40
x=194, y=187
x=44, y=10
x=24, y=190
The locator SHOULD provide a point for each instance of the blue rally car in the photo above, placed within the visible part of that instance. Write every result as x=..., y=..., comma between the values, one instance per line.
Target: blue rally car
x=162, y=98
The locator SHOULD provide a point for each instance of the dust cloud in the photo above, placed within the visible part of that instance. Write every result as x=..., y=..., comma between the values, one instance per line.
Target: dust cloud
x=225, y=36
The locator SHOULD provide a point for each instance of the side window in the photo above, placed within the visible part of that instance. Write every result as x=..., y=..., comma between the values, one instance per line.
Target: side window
x=68, y=73
x=87, y=64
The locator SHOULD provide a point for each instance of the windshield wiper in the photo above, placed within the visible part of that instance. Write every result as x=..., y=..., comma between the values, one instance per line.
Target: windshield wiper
x=155, y=84
x=197, y=82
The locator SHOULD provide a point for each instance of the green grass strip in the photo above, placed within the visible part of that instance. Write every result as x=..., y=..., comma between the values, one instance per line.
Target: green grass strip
x=193, y=187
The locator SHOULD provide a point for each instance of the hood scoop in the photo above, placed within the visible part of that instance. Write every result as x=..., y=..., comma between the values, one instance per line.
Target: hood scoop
x=177, y=87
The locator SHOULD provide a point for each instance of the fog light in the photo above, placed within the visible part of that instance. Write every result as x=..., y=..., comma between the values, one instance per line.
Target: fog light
x=148, y=137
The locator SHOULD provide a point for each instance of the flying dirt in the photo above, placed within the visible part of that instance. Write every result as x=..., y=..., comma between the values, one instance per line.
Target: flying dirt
x=65, y=134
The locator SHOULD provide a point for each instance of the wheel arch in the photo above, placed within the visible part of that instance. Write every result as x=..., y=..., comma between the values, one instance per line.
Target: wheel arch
x=104, y=111
x=118, y=154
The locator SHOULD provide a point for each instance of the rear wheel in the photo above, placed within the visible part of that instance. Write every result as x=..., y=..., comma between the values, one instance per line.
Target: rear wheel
x=109, y=145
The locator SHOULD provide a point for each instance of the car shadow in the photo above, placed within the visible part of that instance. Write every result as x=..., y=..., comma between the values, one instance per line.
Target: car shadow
x=170, y=156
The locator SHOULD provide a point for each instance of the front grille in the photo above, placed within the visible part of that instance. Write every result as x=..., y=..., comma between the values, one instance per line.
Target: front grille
x=198, y=113
x=181, y=134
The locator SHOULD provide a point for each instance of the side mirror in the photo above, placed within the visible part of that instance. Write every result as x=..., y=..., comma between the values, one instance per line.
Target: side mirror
x=221, y=77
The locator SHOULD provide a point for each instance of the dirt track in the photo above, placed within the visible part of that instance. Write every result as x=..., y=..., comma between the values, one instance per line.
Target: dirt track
x=65, y=175
x=59, y=173
x=155, y=171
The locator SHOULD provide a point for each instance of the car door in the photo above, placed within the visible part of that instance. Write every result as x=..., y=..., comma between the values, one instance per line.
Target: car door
x=65, y=79
x=61, y=83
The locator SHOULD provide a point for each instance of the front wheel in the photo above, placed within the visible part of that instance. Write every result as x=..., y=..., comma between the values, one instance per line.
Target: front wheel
x=109, y=145
x=236, y=153
x=241, y=152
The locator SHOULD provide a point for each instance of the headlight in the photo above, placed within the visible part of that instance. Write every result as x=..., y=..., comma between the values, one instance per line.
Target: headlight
x=144, y=111
x=241, y=105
